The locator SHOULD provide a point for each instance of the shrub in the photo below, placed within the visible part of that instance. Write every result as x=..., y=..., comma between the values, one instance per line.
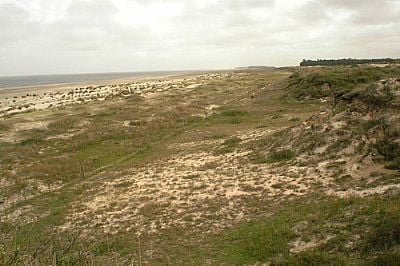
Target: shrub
x=373, y=99
x=388, y=149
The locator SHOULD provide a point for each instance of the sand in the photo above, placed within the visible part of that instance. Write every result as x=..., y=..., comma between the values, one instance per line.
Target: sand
x=25, y=99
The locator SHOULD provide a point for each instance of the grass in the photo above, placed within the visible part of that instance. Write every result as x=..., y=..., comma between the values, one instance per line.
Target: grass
x=228, y=146
x=281, y=156
x=233, y=117
x=258, y=158
x=3, y=126
x=363, y=231
x=232, y=142
x=64, y=124
x=258, y=241
x=269, y=239
x=274, y=157
x=233, y=113
x=194, y=176
x=31, y=141
x=323, y=82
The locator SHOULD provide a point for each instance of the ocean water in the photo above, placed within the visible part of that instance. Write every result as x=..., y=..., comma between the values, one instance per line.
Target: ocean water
x=27, y=81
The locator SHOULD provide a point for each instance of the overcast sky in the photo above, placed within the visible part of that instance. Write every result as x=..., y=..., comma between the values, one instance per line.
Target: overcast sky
x=80, y=36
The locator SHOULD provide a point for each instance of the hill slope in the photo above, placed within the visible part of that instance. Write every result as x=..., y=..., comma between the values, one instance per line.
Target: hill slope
x=225, y=168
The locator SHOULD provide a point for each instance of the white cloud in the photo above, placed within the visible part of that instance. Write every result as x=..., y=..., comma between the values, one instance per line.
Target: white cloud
x=41, y=36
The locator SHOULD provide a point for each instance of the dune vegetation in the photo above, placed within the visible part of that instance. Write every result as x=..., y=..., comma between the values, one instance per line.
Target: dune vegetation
x=294, y=166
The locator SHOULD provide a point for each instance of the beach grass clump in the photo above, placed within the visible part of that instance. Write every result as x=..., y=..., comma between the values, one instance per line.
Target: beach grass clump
x=63, y=124
x=230, y=116
x=31, y=141
x=281, y=156
x=228, y=146
x=257, y=157
x=232, y=142
x=233, y=113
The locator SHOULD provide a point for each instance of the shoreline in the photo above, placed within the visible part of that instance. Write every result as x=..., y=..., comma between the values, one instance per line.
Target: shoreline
x=25, y=99
x=18, y=91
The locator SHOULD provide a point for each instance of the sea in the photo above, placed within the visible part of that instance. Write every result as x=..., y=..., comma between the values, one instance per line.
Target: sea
x=40, y=80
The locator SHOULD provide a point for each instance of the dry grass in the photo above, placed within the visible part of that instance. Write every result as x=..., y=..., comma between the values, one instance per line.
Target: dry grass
x=163, y=176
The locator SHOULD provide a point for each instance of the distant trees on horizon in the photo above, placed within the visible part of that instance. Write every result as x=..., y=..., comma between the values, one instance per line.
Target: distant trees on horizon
x=347, y=61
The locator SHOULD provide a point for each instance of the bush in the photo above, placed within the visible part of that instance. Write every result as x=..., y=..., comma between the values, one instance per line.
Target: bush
x=373, y=99
x=388, y=149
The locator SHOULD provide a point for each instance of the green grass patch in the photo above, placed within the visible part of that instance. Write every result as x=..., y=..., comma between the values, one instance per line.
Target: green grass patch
x=281, y=156
x=375, y=221
x=258, y=241
x=233, y=117
x=31, y=141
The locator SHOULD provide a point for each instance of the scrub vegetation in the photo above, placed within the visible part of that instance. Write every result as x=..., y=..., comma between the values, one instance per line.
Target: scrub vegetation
x=294, y=166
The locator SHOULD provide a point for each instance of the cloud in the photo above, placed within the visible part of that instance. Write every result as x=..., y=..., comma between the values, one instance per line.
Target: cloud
x=365, y=12
x=16, y=24
x=93, y=25
x=124, y=35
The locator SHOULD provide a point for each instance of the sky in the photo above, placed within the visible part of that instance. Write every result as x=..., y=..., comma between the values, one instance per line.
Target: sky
x=96, y=36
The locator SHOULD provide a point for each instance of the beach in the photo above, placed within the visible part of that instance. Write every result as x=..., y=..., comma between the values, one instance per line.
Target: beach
x=25, y=99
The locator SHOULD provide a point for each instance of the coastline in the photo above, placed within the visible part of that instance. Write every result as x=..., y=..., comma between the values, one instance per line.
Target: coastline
x=18, y=91
x=26, y=99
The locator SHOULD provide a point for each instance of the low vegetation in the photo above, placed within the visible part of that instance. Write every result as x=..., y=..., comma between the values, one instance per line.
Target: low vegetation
x=237, y=168
x=316, y=83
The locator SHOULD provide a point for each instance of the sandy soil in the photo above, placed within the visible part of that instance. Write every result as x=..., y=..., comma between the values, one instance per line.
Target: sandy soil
x=17, y=100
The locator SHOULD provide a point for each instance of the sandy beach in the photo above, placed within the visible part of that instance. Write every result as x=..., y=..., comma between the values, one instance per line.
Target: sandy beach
x=25, y=99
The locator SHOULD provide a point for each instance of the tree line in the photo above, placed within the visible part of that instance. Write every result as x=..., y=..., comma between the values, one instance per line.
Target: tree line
x=348, y=61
